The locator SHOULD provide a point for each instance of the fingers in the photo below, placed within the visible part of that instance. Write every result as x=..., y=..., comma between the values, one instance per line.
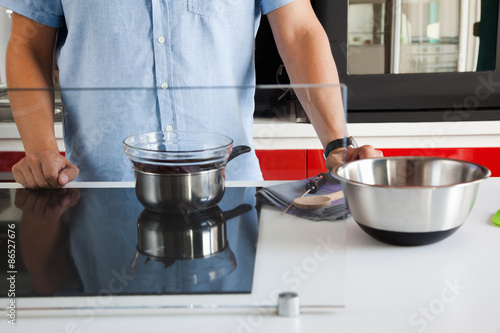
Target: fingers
x=48, y=171
x=41, y=201
x=24, y=199
x=44, y=170
x=23, y=175
x=56, y=202
x=335, y=159
x=340, y=155
x=70, y=197
x=367, y=151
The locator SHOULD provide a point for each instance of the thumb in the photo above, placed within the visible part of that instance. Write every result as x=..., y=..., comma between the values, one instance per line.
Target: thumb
x=67, y=174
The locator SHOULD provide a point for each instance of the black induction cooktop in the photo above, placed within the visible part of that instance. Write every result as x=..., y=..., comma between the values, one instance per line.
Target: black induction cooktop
x=102, y=241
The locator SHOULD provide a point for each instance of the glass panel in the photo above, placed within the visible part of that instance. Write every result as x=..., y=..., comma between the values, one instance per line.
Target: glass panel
x=408, y=36
x=100, y=243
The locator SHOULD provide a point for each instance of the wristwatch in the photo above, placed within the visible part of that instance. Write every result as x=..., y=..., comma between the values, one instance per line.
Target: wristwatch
x=347, y=142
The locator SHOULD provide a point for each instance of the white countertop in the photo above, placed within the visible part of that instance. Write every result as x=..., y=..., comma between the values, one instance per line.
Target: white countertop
x=449, y=286
x=277, y=133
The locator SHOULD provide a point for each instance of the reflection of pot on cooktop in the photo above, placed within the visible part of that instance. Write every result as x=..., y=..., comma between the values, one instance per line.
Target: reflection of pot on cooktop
x=195, y=241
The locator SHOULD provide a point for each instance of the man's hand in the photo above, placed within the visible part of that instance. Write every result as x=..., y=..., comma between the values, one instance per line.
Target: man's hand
x=46, y=169
x=336, y=157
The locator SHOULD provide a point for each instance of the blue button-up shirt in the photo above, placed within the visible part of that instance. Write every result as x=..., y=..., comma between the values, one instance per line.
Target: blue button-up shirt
x=115, y=45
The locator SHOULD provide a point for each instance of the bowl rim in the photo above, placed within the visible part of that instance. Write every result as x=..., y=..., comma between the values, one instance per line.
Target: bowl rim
x=129, y=146
x=335, y=174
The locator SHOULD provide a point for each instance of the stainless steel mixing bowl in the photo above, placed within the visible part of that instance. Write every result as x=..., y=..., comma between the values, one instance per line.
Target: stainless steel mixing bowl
x=410, y=200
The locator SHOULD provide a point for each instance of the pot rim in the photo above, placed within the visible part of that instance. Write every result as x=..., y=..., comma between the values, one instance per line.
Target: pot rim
x=159, y=174
x=164, y=257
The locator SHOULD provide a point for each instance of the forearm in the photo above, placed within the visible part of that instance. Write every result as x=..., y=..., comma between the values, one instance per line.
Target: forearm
x=30, y=83
x=34, y=117
x=311, y=62
x=305, y=50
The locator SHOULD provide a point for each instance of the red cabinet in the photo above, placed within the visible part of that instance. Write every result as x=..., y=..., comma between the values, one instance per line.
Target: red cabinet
x=299, y=164
x=8, y=159
x=315, y=162
x=486, y=156
x=289, y=164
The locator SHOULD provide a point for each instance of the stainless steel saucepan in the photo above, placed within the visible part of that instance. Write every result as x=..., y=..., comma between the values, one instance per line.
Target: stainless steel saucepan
x=180, y=170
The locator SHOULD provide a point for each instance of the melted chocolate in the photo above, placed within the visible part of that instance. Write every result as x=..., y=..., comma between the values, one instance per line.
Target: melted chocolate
x=175, y=169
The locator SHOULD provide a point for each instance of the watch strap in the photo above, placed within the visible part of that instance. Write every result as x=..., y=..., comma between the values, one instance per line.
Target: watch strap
x=339, y=143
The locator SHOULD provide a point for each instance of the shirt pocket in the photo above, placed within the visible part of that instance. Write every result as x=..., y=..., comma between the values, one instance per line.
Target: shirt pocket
x=213, y=8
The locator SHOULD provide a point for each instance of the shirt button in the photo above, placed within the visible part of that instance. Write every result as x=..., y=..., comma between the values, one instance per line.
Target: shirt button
x=169, y=128
x=164, y=86
x=161, y=39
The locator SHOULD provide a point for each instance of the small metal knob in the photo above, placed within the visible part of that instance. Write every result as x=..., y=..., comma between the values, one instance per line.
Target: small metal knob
x=288, y=304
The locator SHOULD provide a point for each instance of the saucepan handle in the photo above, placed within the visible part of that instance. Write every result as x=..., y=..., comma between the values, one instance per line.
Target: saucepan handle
x=133, y=263
x=238, y=150
x=240, y=210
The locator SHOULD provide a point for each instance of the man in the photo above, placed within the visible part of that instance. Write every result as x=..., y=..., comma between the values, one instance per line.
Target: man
x=117, y=44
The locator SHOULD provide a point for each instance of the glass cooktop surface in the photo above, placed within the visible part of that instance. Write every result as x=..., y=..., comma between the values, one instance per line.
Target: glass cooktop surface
x=101, y=241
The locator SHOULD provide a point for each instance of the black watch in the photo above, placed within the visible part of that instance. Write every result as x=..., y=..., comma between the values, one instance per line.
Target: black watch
x=347, y=142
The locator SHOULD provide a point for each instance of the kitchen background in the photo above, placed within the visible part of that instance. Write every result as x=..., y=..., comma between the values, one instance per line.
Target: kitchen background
x=429, y=37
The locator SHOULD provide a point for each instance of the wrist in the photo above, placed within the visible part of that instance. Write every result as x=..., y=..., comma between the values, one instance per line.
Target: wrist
x=342, y=143
x=37, y=144
x=41, y=151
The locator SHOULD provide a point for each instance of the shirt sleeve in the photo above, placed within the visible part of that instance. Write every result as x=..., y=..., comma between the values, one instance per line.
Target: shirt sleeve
x=267, y=6
x=47, y=12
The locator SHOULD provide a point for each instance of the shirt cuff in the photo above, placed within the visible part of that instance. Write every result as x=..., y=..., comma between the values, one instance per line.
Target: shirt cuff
x=35, y=14
x=269, y=6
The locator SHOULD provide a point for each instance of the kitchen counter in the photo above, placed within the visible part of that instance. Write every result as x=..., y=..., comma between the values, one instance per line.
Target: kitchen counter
x=283, y=133
x=449, y=286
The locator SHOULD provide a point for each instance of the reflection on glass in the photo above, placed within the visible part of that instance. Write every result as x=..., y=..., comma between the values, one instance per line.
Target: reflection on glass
x=43, y=235
x=102, y=242
x=182, y=250
x=409, y=36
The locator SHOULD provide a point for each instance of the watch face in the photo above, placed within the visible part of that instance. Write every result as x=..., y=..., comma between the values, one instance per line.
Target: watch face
x=351, y=142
